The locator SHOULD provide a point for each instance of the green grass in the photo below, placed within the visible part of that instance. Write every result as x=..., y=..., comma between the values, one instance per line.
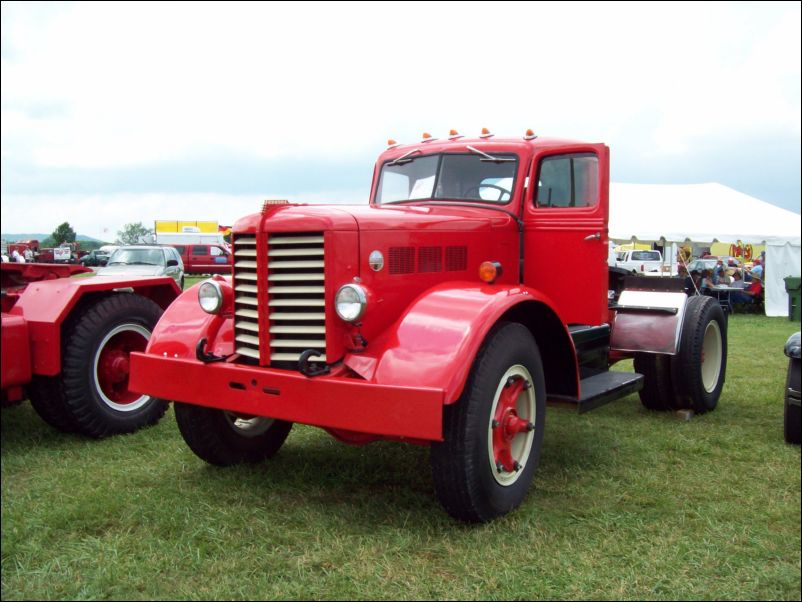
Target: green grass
x=627, y=504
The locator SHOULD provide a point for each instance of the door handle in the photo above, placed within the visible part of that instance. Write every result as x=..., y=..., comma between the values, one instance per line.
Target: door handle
x=596, y=236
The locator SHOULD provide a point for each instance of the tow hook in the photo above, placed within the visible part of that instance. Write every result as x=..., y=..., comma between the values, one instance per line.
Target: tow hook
x=305, y=368
x=204, y=356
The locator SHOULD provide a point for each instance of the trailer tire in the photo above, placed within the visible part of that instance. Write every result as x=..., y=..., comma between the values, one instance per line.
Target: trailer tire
x=493, y=432
x=700, y=366
x=95, y=359
x=658, y=388
x=792, y=419
x=223, y=439
x=47, y=399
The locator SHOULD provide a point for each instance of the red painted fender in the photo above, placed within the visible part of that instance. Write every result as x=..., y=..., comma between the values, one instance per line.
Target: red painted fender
x=436, y=340
x=46, y=304
x=184, y=323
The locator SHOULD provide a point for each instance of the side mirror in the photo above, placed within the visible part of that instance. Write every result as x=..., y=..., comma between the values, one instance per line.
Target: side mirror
x=172, y=262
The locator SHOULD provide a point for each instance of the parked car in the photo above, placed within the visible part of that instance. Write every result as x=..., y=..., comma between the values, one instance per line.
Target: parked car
x=145, y=260
x=205, y=258
x=640, y=261
x=95, y=258
x=793, y=419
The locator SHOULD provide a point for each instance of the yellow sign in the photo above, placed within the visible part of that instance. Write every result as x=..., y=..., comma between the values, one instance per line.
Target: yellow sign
x=185, y=227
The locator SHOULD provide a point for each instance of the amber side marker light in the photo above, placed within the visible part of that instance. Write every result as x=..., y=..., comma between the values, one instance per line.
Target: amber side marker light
x=489, y=271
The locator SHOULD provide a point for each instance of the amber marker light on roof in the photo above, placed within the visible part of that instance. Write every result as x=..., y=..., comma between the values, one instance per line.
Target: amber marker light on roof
x=391, y=143
x=489, y=271
x=485, y=133
x=427, y=137
x=530, y=135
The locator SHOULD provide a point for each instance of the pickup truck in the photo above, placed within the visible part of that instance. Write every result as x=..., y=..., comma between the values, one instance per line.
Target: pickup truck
x=640, y=262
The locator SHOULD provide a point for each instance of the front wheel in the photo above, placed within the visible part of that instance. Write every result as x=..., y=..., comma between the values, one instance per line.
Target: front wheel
x=224, y=438
x=493, y=433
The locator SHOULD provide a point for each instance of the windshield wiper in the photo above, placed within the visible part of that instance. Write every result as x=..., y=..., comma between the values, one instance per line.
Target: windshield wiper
x=403, y=158
x=118, y=263
x=486, y=157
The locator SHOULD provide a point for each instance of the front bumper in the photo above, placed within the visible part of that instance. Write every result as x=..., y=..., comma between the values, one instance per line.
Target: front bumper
x=325, y=401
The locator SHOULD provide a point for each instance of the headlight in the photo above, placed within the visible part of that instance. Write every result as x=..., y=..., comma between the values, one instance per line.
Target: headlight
x=210, y=297
x=350, y=302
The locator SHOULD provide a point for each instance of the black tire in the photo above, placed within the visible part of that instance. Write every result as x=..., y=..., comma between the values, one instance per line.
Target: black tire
x=223, y=439
x=47, y=399
x=658, y=388
x=699, y=368
x=467, y=481
x=792, y=420
x=181, y=286
x=103, y=333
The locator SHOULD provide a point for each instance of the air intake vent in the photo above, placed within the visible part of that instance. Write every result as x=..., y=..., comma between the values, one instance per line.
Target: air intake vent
x=296, y=295
x=402, y=260
x=430, y=259
x=456, y=259
x=246, y=305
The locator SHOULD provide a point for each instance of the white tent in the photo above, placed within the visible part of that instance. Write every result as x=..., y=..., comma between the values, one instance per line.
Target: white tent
x=706, y=213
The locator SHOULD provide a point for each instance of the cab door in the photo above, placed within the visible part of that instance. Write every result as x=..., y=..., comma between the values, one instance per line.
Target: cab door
x=565, y=231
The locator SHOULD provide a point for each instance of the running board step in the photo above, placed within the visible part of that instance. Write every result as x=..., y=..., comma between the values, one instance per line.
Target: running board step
x=600, y=389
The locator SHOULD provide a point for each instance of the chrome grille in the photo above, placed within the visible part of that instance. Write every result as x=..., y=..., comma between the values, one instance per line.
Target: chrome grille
x=296, y=295
x=246, y=304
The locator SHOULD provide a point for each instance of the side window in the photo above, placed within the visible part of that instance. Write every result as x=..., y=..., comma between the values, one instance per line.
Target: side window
x=199, y=250
x=568, y=181
x=216, y=251
x=180, y=249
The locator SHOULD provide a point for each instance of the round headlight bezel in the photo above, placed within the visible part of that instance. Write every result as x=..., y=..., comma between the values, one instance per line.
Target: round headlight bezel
x=361, y=297
x=217, y=298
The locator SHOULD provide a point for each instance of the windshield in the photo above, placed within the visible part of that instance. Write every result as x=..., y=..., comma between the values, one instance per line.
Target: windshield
x=137, y=257
x=454, y=177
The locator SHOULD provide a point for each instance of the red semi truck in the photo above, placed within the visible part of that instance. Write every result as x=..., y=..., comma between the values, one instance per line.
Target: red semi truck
x=432, y=315
x=66, y=345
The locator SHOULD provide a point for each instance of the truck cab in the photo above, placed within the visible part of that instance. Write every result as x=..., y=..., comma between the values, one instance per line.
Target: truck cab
x=436, y=314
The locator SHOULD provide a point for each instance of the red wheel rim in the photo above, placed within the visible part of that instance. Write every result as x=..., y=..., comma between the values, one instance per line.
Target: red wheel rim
x=511, y=428
x=112, y=366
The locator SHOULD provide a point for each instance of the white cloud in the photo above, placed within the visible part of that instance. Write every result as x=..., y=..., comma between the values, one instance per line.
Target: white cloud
x=140, y=83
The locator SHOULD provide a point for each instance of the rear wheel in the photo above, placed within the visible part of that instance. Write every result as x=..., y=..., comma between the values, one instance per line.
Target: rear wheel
x=224, y=438
x=658, y=388
x=493, y=433
x=91, y=394
x=699, y=368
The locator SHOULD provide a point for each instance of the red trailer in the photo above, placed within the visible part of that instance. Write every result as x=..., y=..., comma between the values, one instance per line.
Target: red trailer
x=433, y=315
x=66, y=344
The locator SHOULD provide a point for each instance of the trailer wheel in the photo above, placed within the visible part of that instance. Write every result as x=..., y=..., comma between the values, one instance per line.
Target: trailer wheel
x=95, y=366
x=792, y=420
x=493, y=433
x=224, y=438
x=700, y=366
x=658, y=388
x=48, y=401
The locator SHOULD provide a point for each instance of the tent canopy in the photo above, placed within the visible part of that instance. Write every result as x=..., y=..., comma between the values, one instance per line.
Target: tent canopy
x=703, y=213
x=697, y=213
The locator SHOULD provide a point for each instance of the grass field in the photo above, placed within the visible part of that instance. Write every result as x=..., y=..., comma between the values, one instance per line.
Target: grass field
x=627, y=504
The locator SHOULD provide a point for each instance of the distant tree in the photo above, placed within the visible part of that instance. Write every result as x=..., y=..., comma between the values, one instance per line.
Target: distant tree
x=48, y=243
x=64, y=233
x=131, y=233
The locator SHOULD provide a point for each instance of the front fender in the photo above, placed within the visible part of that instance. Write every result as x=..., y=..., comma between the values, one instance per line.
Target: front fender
x=435, y=341
x=184, y=323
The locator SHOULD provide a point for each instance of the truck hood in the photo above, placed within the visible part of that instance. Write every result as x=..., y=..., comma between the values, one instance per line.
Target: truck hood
x=131, y=270
x=296, y=218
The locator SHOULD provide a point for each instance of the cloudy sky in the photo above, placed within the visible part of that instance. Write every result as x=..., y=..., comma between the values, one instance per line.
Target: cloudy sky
x=118, y=113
